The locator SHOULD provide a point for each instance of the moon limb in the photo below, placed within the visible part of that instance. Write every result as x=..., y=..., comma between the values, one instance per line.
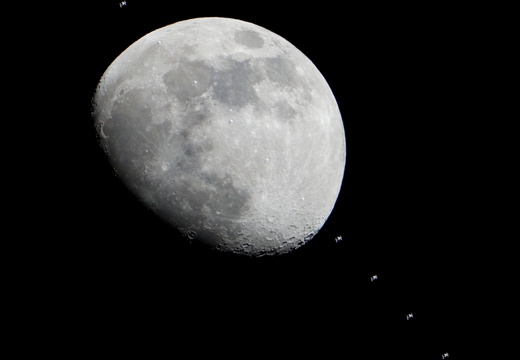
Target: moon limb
x=247, y=114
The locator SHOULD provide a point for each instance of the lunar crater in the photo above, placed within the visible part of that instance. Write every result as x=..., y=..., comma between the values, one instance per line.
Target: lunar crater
x=223, y=128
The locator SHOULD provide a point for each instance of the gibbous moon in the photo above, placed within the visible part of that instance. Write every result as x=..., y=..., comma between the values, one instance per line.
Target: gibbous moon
x=227, y=132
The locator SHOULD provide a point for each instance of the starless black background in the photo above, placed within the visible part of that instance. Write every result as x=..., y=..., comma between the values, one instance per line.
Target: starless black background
x=397, y=74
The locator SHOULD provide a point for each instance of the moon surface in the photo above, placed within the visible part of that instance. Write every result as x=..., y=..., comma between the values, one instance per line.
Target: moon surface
x=227, y=132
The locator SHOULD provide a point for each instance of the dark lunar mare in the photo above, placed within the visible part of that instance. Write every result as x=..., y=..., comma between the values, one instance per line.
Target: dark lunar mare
x=213, y=201
x=160, y=107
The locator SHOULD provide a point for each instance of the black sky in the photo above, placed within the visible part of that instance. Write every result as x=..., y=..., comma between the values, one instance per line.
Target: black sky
x=396, y=75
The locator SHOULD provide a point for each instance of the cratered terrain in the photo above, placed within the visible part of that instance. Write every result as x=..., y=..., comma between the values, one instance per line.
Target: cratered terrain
x=226, y=131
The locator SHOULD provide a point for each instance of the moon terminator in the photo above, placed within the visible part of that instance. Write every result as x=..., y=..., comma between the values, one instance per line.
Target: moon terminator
x=227, y=132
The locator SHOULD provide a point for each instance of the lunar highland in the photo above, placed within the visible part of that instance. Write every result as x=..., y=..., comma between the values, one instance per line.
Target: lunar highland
x=227, y=132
